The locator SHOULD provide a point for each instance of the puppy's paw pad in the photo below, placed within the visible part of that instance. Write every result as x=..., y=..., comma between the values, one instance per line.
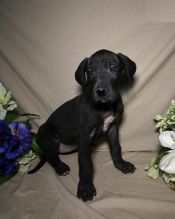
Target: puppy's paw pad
x=62, y=169
x=125, y=167
x=86, y=192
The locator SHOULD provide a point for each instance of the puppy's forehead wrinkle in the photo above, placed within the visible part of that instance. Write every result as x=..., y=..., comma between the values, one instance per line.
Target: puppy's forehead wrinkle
x=104, y=62
x=104, y=58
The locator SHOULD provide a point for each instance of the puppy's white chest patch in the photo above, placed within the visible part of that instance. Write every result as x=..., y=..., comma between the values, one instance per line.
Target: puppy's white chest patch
x=107, y=121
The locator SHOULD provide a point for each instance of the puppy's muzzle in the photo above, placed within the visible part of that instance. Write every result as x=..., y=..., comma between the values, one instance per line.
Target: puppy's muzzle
x=101, y=92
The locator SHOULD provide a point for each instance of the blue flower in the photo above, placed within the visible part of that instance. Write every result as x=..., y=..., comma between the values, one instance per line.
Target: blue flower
x=15, y=141
x=5, y=135
x=9, y=168
x=21, y=141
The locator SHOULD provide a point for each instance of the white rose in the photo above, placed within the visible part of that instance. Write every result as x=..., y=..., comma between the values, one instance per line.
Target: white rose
x=167, y=139
x=167, y=163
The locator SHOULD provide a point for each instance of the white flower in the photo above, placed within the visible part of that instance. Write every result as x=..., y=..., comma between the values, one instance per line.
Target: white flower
x=4, y=95
x=25, y=161
x=158, y=118
x=167, y=139
x=5, y=101
x=167, y=163
x=3, y=112
x=11, y=105
x=168, y=177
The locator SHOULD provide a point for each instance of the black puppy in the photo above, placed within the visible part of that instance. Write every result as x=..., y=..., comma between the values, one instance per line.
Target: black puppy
x=79, y=121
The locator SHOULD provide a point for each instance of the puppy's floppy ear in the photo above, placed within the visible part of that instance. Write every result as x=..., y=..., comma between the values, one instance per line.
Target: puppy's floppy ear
x=80, y=74
x=129, y=66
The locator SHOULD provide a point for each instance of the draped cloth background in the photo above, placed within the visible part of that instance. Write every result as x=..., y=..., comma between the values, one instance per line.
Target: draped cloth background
x=41, y=44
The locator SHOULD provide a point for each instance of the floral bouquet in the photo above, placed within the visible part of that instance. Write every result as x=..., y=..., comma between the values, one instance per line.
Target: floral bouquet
x=17, y=142
x=163, y=165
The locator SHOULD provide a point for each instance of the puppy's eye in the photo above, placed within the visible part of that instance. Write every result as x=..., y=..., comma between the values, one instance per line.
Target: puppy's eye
x=113, y=68
x=89, y=70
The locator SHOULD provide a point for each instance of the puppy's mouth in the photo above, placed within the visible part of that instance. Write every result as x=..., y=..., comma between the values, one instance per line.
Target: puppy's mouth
x=103, y=104
x=104, y=96
x=102, y=100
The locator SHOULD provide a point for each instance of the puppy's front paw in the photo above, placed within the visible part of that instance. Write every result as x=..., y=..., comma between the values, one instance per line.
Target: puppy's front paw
x=62, y=169
x=125, y=167
x=86, y=192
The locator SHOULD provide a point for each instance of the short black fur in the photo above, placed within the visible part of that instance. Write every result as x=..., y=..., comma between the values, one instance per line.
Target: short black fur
x=96, y=111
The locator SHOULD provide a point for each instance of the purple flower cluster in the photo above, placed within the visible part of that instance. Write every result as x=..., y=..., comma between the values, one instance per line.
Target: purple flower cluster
x=15, y=141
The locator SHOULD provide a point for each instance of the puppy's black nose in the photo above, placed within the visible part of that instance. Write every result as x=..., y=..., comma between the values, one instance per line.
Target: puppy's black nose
x=101, y=92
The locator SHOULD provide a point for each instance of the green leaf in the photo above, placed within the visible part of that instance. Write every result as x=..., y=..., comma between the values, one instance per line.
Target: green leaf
x=31, y=115
x=153, y=173
x=10, y=117
x=160, y=155
x=36, y=148
x=153, y=170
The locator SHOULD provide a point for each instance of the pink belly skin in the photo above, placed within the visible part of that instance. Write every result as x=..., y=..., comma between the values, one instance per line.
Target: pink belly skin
x=64, y=149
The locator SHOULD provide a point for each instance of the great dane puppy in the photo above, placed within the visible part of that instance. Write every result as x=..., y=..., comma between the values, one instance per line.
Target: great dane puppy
x=98, y=110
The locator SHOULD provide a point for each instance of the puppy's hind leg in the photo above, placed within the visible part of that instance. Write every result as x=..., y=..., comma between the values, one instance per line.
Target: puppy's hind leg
x=49, y=142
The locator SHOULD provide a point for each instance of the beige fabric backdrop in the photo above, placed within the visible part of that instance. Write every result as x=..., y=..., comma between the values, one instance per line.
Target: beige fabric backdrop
x=41, y=44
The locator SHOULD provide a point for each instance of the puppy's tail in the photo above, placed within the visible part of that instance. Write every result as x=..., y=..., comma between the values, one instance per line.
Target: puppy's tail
x=38, y=166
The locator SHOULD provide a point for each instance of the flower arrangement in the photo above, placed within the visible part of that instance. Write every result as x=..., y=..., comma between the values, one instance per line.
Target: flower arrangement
x=17, y=141
x=163, y=165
